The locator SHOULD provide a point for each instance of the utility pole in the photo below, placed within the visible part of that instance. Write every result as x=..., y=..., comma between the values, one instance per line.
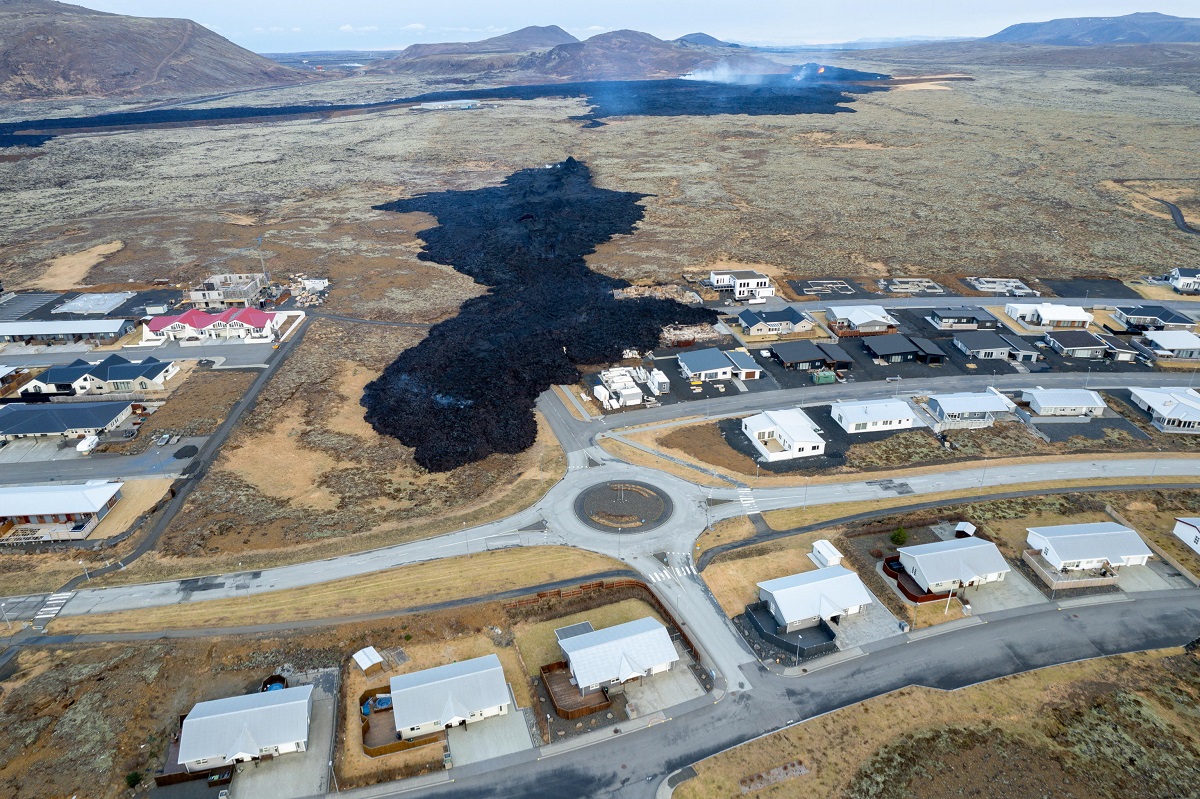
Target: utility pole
x=4, y=610
x=85, y=571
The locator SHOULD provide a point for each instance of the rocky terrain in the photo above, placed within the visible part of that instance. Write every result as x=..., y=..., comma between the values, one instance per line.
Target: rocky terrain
x=1084, y=31
x=50, y=49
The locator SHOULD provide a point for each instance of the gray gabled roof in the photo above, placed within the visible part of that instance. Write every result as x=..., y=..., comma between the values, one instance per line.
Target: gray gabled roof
x=706, y=360
x=750, y=317
x=741, y=360
x=1076, y=339
x=963, y=559
x=890, y=344
x=43, y=500
x=242, y=725
x=1108, y=540
x=978, y=314
x=619, y=652
x=1163, y=315
x=927, y=347
x=825, y=592
x=35, y=328
x=454, y=691
x=976, y=340
x=49, y=418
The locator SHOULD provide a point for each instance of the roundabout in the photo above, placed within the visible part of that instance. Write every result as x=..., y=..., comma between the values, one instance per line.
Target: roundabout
x=623, y=506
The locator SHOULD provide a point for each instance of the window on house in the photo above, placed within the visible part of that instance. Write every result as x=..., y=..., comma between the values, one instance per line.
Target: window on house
x=860, y=426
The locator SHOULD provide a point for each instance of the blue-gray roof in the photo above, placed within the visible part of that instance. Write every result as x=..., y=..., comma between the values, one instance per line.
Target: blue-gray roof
x=114, y=367
x=49, y=418
x=1164, y=315
x=750, y=317
x=706, y=360
x=742, y=360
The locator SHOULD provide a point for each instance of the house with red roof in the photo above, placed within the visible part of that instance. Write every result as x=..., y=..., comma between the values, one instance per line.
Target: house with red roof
x=248, y=324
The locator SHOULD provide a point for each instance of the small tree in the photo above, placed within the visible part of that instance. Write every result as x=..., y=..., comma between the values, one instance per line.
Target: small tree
x=900, y=537
x=133, y=779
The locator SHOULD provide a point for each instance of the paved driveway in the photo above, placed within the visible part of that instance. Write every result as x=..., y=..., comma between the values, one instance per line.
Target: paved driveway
x=301, y=774
x=493, y=737
x=873, y=623
x=25, y=450
x=661, y=691
x=1154, y=576
x=1014, y=591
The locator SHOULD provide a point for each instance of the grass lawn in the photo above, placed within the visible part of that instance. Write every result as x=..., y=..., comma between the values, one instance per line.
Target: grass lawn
x=733, y=578
x=539, y=646
x=393, y=589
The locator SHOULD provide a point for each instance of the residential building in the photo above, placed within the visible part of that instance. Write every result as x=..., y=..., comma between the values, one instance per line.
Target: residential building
x=1021, y=350
x=425, y=702
x=860, y=320
x=61, y=512
x=949, y=565
x=61, y=419
x=250, y=324
x=599, y=659
x=783, y=435
x=1184, y=280
x=1187, y=530
x=1064, y=401
x=969, y=410
x=774, y=323
x=64, y=332
x=1172, y=410
x=745, y=284
x=715, y=364
x=804, y=600
x=898, y=348
x=809, y=356
x=239, y=729
x=1178, y=344
x=229, y=291
x=985, y=345
x=1152, y=317
x=1049, y=315
x=1073, y=547
x=963, y=319
x=1117, y=349
x=112, y=375
x=873, y=416
x=1076, y=344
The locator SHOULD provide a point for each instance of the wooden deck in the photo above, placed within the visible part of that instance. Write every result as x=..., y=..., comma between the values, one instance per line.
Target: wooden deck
x=569, y=703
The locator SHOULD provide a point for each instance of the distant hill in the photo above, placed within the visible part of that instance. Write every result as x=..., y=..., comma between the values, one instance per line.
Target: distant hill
x=1142, y=28
x=50, y=49
x=465, y=56
x=704, y=40
x=631, y=55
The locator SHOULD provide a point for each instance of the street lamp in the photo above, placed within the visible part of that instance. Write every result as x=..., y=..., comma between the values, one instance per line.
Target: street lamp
x=807, y=478
x=4, y=610
x=85, y=570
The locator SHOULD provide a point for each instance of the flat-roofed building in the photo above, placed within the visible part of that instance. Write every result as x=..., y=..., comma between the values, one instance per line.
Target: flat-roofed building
x=1049, y=315
x=784, y=435
x=873, y=416
x=744, y=283
x=1064, y=401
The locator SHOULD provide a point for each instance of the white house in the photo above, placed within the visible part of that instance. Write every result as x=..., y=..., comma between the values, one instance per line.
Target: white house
x=424, y=702
x=783, y=435
x=243, y=728
x=249, y=324
x=968, y=410
x=59, y=512
x=957, y=563
x=873, y=416
x=1172, y=410
x=1184, y=280
x=861, y=319
x=617, y=654
x=1180, y=344
x=1063, y=401
x=1187, y=530
x=745, y=284
x=1049, y=315
x=1072, y=547
x=714, y=364
x=112, y=375
x=804, y=600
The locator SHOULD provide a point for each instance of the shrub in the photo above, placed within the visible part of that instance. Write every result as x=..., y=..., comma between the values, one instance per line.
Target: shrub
x=133, y=779
x=876, y=553
x=900, y=537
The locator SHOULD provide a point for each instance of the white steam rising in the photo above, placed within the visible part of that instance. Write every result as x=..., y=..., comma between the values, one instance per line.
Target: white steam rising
x=724, y=73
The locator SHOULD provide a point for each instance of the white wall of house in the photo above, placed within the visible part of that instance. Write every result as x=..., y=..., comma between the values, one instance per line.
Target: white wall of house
x=430, y=727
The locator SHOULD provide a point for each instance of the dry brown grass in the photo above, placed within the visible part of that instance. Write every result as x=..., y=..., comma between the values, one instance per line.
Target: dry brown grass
x=739, y=528
x=69, y=271
x=137, y=497
x=392, y=589
x=539, y=646
x=833, y=747
x=733, y=578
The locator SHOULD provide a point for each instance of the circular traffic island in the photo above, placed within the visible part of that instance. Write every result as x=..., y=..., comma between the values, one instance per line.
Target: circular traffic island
x=623, y=506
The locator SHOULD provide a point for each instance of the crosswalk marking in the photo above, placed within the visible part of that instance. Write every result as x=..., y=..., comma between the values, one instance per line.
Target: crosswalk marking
x=50, y=608
x=670, y=571
x=746, y=496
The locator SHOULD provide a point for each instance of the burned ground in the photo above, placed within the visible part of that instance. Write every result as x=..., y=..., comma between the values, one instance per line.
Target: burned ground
x=468, y=390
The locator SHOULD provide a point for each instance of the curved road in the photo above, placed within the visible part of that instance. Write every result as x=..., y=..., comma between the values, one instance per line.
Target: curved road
x=1177, y=216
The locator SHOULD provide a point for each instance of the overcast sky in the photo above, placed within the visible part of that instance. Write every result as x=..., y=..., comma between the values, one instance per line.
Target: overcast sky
x=289, y=25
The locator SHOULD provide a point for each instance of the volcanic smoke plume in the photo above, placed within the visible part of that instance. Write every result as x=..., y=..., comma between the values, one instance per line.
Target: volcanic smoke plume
x=469, y=388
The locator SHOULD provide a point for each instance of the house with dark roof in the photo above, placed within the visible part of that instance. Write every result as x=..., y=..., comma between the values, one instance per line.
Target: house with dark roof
x=715, y=364
x=986, y=345
x=1076, y=344
x=62, y=419
x=899, y=348
x=1117, y=348
x=963, y=319
x=810, y=356
x=112, y=375
x=774, y=323
x=1184, y=280
x=36, y=331
x=1152, y=317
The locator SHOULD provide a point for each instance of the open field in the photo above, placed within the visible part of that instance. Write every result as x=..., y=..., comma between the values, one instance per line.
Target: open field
x=539, y=646
x=392, y=589
x=1102, y=729
x=137, y=497
x=733, y=578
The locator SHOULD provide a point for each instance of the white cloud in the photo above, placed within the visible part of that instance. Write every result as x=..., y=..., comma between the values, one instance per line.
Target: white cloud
x=363, y=29
x=413, y=26
x=347, y=29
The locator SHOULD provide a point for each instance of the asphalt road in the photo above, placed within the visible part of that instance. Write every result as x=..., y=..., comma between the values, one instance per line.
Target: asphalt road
x=227, y=355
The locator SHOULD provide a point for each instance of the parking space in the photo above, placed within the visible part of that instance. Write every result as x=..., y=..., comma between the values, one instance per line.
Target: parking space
x=29, y=450
x=301, y=774
x=1014, y=591
x=873, y=623
x=490, y=738
x=1057, y=363
x=1154, y=576
x=661, y=691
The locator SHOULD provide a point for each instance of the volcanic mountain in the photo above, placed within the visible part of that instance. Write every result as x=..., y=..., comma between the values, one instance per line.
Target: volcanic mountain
x=1130, y=29
x=50, y=49
x=703, y=40
x=488, y=55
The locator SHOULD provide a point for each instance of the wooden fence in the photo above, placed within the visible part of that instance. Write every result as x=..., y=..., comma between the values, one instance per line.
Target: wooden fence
x=1056, y=580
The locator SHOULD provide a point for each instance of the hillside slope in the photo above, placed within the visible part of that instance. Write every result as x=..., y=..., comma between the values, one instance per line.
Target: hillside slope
x=50, y=49
x=1081, y=31
x=498, y=52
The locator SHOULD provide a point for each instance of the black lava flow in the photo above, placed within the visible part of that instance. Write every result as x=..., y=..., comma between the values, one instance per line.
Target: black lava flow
x=803, y=91
x=469, y=388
